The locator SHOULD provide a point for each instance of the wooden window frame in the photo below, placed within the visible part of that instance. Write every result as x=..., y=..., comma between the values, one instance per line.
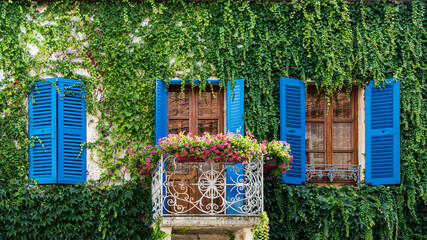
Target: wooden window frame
x=328, y=134
x=194, y=97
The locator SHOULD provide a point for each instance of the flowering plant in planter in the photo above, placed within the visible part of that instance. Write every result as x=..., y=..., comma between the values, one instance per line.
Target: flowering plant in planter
x=279, y=151
x=227, y=148
x=230, y=147
x=144, y=158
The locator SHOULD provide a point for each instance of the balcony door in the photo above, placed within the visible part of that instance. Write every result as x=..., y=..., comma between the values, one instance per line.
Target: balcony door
x=195, y=187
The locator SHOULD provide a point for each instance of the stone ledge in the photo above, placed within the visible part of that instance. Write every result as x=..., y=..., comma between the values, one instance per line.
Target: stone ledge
x=208, y=222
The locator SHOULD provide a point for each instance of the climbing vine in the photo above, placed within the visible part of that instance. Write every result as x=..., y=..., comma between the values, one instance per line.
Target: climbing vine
x=118, y=48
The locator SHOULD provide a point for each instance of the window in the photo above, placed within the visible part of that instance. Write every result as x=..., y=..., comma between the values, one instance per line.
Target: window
x=322, y=135
x=57, y=128
x=331, y=136
x=191, y=112
x=204, y=113
x=194, y=112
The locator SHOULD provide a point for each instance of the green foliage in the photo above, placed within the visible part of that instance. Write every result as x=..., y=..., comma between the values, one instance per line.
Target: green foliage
x=87, y=211
x=118, y=48
x=363, y=212
x=261, y=231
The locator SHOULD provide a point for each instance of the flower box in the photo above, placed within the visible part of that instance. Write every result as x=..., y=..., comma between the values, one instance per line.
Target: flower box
x=180, y=158
x=269, y=164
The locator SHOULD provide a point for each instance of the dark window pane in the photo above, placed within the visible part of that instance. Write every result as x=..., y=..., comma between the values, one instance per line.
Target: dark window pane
x=343, y=158
x=315, y=158
x=208, y=104
x=210, y=126
x=342, y=136
x=314, y=105
x=177, y=126
x=178, y=104
x=314, y=135
x=342, y=106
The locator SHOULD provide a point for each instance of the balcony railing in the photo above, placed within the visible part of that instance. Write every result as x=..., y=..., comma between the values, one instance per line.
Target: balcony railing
x=333, y=172
x=201, y=188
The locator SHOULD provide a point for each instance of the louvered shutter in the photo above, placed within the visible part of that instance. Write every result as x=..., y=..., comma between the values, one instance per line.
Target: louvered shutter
x=42, y=131
x=292, y=126
x=71, y=132
x=160, y=119
x=235, y=109
x=235, y=106
x=382, y=133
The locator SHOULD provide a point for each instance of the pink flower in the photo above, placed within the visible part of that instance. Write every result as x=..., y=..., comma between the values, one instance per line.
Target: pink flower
x=222, y=154
x=142, y=150
x=216, y=151
x=186, y=144
x=268, y=158
x=207, y=151
x=151, y=155
x=282, y=165
x=203, y=155
x=126, y=167
x=185, y=152
x=148, y=145
x=226, y=150
x=147, y=159
x=204, y=148
x=163, y=146
x=230, y=153
x=251, y=151
x=131, y=142
x=290, y=166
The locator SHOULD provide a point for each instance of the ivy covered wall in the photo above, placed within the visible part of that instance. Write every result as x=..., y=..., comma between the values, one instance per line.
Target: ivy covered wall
x=118, y=48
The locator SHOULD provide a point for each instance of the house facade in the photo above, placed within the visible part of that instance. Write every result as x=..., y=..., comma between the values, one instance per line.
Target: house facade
x=87, y=86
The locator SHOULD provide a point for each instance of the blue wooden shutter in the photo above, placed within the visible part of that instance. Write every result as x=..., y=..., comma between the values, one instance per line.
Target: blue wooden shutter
x=71, y=132
x=235, y=109
x=383, y=133
x=292, y=126
x=235, y=106
x=161, y=122
x=42, y=127
x=161, y=109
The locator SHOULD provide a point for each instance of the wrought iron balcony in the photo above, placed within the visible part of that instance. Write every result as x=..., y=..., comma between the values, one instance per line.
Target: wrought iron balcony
x=333, y=172
x=184, y=188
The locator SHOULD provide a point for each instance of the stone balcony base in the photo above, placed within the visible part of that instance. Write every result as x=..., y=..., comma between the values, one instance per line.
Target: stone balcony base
x=210, y=228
